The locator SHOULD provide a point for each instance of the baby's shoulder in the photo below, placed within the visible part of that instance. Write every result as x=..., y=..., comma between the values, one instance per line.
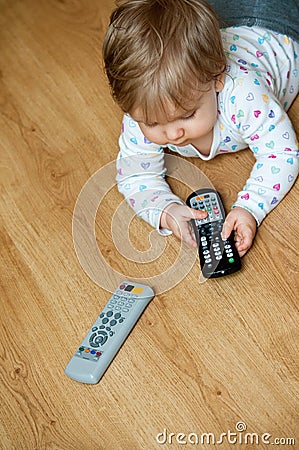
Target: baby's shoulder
x=242, y=80
x=247, y=94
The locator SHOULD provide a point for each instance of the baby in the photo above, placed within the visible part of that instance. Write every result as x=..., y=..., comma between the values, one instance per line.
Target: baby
x=200, y=90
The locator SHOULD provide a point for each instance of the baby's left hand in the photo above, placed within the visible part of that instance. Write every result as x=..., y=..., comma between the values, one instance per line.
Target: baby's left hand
x=244, y=225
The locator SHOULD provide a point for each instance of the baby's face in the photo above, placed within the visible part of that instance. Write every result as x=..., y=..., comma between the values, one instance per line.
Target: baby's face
x=180, y=127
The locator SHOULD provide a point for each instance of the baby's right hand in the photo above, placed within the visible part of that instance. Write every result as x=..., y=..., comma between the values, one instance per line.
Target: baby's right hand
x=177, y=218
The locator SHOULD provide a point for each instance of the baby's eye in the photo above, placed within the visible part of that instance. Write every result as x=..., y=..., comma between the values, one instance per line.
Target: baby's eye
x=151, y=125
x=189, y=116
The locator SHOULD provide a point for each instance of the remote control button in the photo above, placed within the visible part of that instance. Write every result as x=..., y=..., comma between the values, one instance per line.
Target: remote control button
x=81, y=349
x=92, y=337
x=98, y=353
x=117, y=316
x=129, y=288
x=101, y=338
x=113, y=322
x=109, y=314
x=105, y=320
x=229, y=255
x=231, y=260
x=94, y=328
x=125, y=309
x=92, y=352
x=97, y=339
x=218, y=258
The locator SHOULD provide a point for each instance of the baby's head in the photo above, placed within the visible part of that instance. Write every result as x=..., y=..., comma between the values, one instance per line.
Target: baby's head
x=160, y=54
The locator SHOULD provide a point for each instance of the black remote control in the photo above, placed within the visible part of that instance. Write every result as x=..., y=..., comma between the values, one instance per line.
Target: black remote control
x=218, y=257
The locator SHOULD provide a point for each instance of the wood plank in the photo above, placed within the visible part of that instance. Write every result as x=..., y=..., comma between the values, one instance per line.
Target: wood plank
x=204, y=356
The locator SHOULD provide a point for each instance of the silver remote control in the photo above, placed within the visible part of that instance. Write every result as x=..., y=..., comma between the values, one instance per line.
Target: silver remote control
x=109, y=331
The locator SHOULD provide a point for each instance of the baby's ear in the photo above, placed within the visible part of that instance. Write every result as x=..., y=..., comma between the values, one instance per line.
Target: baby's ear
x=219, y=82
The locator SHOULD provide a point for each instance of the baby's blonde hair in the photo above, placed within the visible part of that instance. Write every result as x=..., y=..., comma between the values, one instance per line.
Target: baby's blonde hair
x=158, y=52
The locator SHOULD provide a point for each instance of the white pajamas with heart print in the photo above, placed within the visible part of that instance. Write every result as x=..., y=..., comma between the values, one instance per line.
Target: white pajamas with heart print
x=261, y=83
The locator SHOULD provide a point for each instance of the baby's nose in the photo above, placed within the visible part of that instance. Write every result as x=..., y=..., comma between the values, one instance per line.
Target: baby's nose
x=174, y=133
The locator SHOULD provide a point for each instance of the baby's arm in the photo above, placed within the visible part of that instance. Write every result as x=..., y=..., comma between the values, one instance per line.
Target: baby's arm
x=275, y=170
x=141, y=174
x=141, y=179
x=274, y=144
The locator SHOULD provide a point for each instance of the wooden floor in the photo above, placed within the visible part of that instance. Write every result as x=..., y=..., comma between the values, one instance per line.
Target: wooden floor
x=205, y=357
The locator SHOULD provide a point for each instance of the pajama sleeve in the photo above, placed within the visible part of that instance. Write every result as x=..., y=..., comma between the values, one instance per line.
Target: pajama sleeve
x=141, y=175
x=267, y=130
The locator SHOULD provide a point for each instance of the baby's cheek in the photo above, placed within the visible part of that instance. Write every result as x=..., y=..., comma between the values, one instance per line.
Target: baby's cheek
x=154, y=137
x=150, y=134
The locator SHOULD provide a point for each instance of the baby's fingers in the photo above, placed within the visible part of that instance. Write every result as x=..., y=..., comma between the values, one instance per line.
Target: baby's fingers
x=196, y=214
x=228, y=227
x=243, y=239
x=188, y=235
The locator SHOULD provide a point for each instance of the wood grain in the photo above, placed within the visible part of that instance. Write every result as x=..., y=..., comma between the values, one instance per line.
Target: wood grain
x=203, y=356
